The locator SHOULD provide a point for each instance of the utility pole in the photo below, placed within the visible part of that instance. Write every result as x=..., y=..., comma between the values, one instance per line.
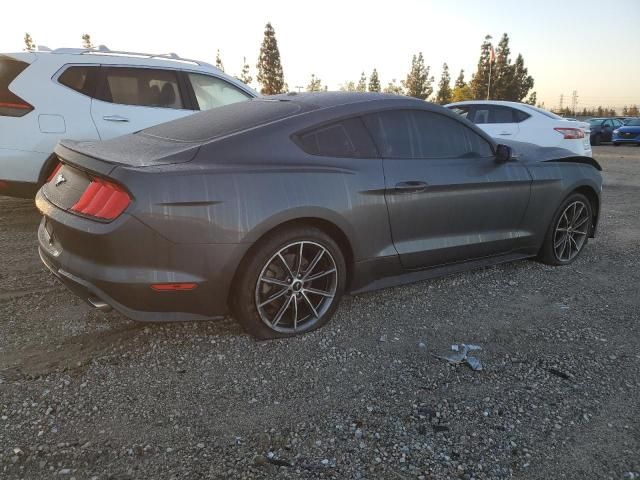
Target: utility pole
x=561, y=101
x=574, y=101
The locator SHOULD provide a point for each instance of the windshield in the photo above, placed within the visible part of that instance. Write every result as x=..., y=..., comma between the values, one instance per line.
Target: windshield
x=633, y=123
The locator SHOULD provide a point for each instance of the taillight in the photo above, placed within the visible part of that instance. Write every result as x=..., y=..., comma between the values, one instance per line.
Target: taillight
x=102, y=199
x=570, y=133
x=11, y=105
x=173, y=287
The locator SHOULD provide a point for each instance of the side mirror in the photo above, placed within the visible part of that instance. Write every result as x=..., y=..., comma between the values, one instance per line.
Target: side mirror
x=503, y=153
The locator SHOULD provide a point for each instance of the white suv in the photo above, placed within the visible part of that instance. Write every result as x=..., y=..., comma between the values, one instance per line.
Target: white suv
x=526, y=123
x=98, y=94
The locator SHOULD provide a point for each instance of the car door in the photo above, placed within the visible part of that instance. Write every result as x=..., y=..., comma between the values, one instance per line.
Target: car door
x=607, y=129
x=448, y=200
x=497, y=120
x=133, y=98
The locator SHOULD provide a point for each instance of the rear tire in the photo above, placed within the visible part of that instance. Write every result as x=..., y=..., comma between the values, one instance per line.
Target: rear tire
x=616, y=144
x=290, y=283
x=569, y=231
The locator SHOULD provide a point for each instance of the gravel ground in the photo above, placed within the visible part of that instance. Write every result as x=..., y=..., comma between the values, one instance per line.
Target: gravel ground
x=90, y=395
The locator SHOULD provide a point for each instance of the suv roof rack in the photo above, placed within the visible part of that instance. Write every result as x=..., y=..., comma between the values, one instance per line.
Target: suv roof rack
x=104, y=50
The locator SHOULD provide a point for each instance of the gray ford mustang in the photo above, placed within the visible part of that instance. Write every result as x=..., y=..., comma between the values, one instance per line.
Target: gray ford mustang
x=271, y=209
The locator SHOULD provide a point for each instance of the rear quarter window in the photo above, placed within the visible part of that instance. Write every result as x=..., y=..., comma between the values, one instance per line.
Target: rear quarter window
x=82, y=79
x=345, y=138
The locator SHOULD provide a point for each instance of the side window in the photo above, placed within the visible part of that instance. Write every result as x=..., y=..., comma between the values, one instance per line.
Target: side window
x=393, y=132
x=617, y=123
x=465, y=111
x=212, y=92
x=607, y=123
x=422, y=134
x=82, y=79
x=495, y=114
x=142, y=86
x=442, y=137
x=346, y=138
x=519, y=116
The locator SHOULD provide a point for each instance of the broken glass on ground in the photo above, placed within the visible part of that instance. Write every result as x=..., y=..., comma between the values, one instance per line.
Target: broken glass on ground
x=461, y=355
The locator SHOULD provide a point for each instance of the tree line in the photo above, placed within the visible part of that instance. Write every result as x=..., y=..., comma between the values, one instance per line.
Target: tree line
x=497, y=77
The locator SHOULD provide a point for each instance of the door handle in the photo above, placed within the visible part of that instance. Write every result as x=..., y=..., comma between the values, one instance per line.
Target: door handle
x=505, y=133
x=115, y=118
x=411, y=186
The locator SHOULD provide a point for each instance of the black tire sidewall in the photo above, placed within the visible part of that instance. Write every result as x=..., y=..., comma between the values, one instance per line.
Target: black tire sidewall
x=547, y=253
x=243, y=299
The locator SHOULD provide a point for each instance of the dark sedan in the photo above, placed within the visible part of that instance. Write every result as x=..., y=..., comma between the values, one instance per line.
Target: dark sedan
x=628, y=133
x=271, y=209
x=602, y=129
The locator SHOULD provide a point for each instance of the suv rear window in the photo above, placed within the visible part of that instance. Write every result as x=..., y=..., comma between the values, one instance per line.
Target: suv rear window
x=346, y=138
x=10, y=104
x=146, y=87
x=82, y=79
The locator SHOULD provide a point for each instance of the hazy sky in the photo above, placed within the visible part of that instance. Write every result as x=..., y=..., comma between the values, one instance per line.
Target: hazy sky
x=567, y=46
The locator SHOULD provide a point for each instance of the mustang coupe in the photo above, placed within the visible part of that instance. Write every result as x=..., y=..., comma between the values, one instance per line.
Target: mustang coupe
x=272, y=209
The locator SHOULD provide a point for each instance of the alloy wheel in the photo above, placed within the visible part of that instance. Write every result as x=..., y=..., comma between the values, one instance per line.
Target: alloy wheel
x=296, y=287
x=571, y=231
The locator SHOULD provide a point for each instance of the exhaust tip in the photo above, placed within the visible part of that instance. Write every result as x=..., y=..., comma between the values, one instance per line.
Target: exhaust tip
x=99, y=304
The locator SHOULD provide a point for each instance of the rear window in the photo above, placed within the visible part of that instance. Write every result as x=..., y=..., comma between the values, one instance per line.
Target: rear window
x=146, y=87
x=346, y=138
x=225, y=120
x=82, y=79
x=10, y=104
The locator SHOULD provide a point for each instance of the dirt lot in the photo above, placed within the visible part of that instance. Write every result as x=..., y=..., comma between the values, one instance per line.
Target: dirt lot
x=90, y=395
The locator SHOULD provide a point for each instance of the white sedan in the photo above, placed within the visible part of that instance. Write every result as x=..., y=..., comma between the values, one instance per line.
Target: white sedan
x=526, y=123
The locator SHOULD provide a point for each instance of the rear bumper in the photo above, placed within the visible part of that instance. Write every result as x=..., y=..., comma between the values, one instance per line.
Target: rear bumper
x=114, y=265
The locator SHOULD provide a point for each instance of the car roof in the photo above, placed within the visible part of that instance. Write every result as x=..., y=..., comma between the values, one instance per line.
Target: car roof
x=314, y=107
x=489, y=102
x=106, y=56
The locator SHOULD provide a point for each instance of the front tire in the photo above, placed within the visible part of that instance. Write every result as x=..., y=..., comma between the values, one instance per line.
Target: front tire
x=290, y=283
x=569, y=231
x=616, y=144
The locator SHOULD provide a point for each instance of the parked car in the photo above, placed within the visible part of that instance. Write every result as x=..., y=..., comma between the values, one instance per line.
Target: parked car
x=602, y=129
x=93, y=95
x=525, y=123
x=628, y=133
x=629, y=119
x=273, y=208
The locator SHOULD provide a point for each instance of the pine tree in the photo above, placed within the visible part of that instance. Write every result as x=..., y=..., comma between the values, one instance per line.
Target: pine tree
x=502, y=72
x=460, y=80
x=374, y=81
x=219, y=63
x=444, y=88
x=86, y=41
x=270, y=74
x=418, y=84
x=480, y=79
x=461, y=94
x=29, y=45
x=521, y=81
x=533, y=99
x=348, y=87
x=244, y=75
x=394, y=87
x=315, y=85
x=362, y=83
x=633, y=111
